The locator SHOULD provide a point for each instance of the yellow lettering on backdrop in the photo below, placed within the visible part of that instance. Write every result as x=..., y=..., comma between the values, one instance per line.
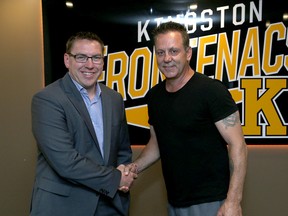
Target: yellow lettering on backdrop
x=256, y=102
x=286, y=62
x=230, y=58
x=113, y=78
x=138, y=116
x=280, y=30
x=202, y=58
x=135, y=75
x=251, y=53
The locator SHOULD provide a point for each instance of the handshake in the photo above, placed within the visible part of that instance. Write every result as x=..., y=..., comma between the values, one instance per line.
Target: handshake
x=129, y=174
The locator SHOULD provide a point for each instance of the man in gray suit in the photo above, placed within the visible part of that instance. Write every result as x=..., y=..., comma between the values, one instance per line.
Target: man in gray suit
x=82, y=136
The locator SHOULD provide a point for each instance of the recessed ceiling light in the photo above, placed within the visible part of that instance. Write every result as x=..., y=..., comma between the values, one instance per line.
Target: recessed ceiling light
x=69, y=4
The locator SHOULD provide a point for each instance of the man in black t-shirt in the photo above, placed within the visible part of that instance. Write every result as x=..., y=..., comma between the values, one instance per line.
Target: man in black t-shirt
x=192, y=120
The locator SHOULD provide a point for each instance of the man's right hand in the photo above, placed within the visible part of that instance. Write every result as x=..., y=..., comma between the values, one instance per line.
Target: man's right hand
x=127, y=178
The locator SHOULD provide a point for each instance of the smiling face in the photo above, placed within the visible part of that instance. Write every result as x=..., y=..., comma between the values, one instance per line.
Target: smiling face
x=172, y=57
x=86, y=74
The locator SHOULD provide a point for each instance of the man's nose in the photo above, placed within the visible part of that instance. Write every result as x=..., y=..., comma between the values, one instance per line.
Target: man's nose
x=89, y=62
x=167, y=56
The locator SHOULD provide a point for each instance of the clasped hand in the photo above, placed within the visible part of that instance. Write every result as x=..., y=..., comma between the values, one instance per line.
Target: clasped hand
x=129, y=174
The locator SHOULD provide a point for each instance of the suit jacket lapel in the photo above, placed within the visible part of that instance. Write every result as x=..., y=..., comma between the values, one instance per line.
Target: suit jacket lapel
x=76, y=99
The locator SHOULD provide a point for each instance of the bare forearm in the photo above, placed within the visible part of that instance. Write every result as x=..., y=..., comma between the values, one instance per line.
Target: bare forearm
x=238, y=166
x=150, y=153
x=148, y=156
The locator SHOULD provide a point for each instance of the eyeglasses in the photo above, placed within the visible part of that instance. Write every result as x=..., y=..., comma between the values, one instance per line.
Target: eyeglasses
x=81, y=58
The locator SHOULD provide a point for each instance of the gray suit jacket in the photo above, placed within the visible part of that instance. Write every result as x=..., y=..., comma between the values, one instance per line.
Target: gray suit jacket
x=71, y=173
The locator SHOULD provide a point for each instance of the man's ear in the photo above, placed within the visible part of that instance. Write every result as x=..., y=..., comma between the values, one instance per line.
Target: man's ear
x=189, y=53
x=66, y=60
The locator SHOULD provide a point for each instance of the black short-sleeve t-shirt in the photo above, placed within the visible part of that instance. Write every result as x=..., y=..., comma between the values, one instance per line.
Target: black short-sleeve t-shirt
x=193, y=154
